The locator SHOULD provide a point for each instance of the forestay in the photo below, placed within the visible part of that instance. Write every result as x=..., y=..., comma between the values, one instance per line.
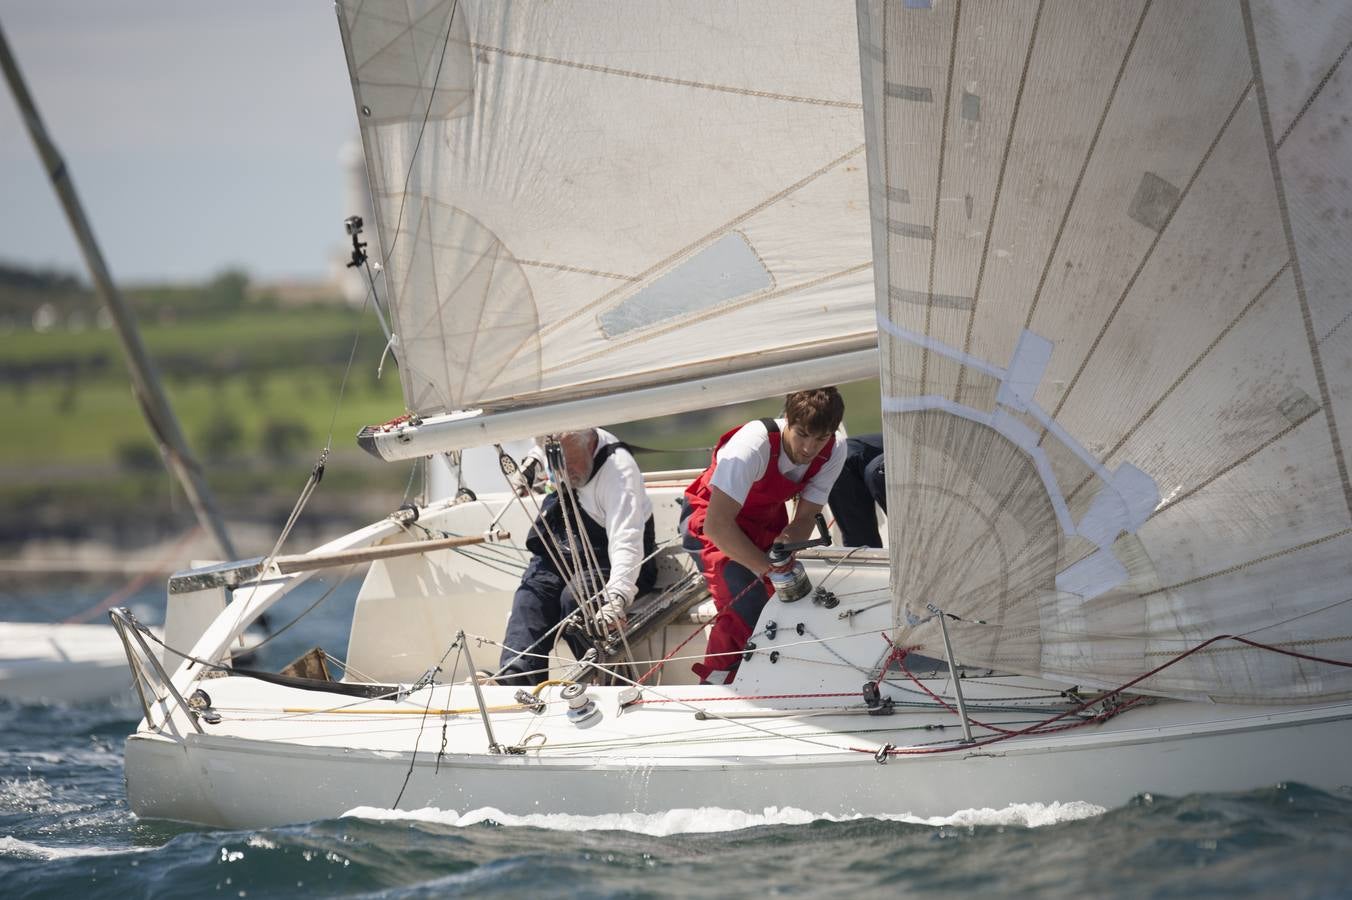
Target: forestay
x=575, y=199
x=1111, y=246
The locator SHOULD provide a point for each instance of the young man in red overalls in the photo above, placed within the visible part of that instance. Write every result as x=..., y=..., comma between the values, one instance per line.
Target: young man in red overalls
x=736, y=510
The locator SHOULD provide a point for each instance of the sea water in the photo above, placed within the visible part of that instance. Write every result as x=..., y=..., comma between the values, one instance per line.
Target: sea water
x=65, y=831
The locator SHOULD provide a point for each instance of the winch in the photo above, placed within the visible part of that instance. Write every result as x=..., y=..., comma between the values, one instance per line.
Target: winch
x=792, y=583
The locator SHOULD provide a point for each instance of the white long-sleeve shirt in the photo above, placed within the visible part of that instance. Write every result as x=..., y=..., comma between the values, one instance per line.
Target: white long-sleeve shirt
x=744, y=459
x=615, y=498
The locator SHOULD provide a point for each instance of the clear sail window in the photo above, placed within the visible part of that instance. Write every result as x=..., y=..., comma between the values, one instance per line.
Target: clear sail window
x=726, y=269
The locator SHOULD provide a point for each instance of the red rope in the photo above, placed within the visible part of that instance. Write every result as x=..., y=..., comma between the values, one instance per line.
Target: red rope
x=664, y=660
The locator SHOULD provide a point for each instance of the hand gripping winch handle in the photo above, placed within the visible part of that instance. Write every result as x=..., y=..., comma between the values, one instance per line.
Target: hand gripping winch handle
x=823, y=541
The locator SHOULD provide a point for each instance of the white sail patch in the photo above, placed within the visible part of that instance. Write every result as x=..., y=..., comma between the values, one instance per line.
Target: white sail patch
x=1031, y=355
x=1126, y=497
x=1092, y=576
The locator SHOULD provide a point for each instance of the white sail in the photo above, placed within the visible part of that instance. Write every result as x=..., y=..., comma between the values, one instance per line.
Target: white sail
x=1111, y=246
x=578, y=199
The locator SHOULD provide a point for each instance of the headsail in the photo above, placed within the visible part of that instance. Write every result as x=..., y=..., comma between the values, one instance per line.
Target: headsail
x=584, y=198
x=1112, y=265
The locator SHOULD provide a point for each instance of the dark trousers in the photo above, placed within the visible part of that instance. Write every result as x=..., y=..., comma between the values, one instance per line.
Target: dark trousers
x=541, y=602
x=862, y=483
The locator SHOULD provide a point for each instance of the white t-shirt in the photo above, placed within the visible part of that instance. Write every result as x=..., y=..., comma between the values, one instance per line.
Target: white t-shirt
x=744, y=459
x=615, y=497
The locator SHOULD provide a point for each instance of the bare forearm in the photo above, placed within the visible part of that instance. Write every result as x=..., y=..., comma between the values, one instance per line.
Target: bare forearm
x=729, y=538
x=804, y=519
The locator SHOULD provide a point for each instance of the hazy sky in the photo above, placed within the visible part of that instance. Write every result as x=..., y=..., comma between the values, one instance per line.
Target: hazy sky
x=200, y=135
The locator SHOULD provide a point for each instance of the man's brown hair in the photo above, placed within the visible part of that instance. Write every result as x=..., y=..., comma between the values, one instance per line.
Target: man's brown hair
x=819, y=410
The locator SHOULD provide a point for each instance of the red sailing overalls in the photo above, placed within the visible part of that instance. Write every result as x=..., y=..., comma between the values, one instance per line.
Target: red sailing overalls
x=762, y=518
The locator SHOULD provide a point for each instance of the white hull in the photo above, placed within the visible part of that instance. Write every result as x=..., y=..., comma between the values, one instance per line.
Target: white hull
x=42, y=663
x=793, y=730
x=229, y=780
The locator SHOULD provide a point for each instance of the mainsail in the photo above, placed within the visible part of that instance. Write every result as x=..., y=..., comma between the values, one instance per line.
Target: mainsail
x=1111, y=250
x=578, y=199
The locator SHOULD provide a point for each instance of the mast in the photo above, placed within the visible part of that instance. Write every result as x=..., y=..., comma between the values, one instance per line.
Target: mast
x=154, y=404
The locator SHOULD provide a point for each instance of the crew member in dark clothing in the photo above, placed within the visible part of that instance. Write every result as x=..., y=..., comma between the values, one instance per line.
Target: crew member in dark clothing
x=599, y=515
x=862, y=483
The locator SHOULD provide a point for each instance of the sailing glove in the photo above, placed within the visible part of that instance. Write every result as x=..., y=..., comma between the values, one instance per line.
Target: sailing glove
x=612, y=616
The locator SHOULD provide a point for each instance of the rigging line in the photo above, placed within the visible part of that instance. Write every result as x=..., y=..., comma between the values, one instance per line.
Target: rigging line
x=1303, y=615
x=422, y=721
x=450, y=689
x=591, y=573
x=583, y=575
x=995, y=201
x=935, y=697
x=351, y=357
x=1325, y=397
x=1178, y=658
x=669, y=739
x=939, y=192
x=309, y=609
x=412, y=760
x=1084, y=167
x=235, y=672
x=1309, y=101
x=549, y=635
x=1149, y=253
x=1183, y=376
x=713, y=715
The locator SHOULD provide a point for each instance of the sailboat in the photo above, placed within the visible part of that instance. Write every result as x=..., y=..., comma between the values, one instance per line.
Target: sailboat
x=1092, y=252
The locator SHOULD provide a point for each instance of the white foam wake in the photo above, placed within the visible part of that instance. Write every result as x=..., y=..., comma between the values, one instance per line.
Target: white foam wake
x=13, y=848
x=713, y=819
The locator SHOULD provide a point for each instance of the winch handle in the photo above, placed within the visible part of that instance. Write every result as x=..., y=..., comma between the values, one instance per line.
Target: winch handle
x=823, y=541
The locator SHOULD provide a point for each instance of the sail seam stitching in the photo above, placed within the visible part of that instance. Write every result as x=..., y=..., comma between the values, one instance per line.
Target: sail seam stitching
x=1314, y=95
x=1236, y=464
x=1341, y=322
x=1154, y=407
x=1253, y=562
x=995, y=201
x=667, y=79
x=560, y=267
x=1150, y=251
x=1339, y=460
x=1302, y=642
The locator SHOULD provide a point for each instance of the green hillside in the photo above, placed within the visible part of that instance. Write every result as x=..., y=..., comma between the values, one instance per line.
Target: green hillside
x=255, y=385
